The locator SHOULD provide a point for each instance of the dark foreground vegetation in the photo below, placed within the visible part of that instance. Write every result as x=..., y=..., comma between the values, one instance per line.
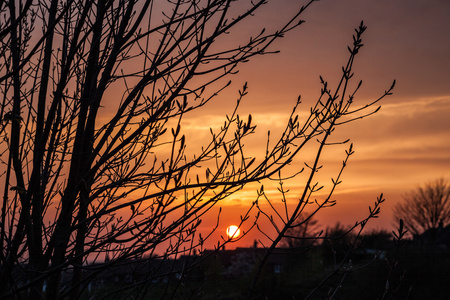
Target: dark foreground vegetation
x=416, y=271
x=377, y=268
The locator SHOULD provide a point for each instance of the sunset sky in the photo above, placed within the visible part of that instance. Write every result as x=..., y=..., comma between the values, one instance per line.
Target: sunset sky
x=405, y=144
x=126, y=136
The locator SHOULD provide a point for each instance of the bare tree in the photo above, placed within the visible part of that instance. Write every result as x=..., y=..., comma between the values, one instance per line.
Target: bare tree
x=87, y=177
x=333, y=108
x=425, y=207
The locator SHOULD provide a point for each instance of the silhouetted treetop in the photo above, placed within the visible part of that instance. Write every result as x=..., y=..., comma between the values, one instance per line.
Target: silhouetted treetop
x=425, y=207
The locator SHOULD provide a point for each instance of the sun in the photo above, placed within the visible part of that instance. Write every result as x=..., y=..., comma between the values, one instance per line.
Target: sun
x=233, y=231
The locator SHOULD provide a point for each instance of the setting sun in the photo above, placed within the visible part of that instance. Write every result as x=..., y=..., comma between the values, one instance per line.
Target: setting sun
x=233, y=231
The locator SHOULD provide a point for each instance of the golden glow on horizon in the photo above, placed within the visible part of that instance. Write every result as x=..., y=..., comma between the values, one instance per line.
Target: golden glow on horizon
x=233, y=231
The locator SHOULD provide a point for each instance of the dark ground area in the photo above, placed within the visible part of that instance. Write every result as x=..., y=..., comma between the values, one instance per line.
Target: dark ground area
x=416, y=271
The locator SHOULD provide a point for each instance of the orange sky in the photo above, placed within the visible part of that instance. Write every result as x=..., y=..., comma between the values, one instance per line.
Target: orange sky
x=405, y=144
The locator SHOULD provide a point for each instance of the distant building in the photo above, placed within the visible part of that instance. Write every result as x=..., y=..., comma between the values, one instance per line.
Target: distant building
x=436, y=236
